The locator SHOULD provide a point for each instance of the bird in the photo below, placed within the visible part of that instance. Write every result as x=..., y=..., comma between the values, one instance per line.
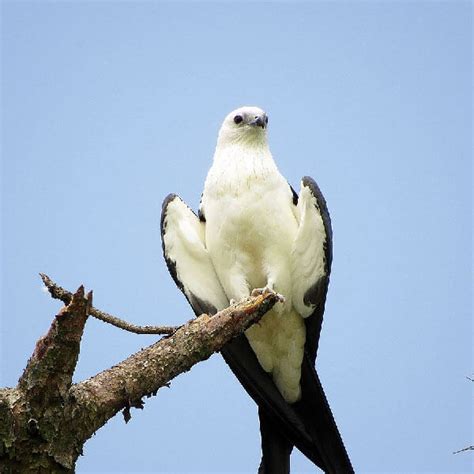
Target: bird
x=253, y=234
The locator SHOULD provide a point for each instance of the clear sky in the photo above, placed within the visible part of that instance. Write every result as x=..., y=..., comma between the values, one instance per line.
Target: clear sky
x=108, y=107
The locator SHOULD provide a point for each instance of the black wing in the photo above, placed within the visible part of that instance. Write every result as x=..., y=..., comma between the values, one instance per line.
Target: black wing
x=314, y=406
x=316, y=294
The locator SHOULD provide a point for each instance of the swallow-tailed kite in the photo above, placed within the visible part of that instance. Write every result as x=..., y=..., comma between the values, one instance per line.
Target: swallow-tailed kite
x=253, y=231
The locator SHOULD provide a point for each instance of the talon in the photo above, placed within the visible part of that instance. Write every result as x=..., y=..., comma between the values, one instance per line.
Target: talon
x=281, y=298
x=267, y=291
x=232, y=302
x=261, y=291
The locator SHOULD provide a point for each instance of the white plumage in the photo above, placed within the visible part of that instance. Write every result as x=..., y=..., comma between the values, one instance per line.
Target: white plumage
x=255, y=232
x=184, y=241
x=254, y=236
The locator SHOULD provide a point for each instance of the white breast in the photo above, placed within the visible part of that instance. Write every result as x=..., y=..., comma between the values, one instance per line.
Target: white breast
x=250, y=230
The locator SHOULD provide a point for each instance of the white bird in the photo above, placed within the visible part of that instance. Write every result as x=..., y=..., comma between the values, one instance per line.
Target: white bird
x=254, y=233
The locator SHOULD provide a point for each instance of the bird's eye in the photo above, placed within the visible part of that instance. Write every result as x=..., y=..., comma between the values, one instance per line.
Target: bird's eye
x=238, y=119
x=266, y=120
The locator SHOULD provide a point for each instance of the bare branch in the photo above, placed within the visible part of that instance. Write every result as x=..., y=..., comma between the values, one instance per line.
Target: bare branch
x=469, y=448
x=45, y=420
x=65, y=296
x=142, y=374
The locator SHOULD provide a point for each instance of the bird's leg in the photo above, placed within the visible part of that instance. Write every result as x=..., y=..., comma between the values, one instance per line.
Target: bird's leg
x=235, y=285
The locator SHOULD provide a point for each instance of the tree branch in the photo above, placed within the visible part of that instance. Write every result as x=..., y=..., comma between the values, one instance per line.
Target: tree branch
x=45, y=421
x=469, y=448
x=143, y=373
x=65, y=296
x=49, y=371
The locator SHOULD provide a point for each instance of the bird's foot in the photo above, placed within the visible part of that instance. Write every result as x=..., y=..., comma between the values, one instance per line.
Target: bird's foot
x=267, y=291
x=261, y=291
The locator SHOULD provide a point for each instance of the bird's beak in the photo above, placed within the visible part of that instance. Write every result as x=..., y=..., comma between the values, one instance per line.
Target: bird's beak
x=259, y=121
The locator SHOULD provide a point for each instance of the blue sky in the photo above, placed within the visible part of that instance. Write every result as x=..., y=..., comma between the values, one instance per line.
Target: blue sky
x=109, y=106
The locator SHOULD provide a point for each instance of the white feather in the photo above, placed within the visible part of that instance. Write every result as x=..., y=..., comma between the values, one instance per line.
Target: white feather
x=250, y=230
x=184, y=243
x=308, y=256
x=254, y=236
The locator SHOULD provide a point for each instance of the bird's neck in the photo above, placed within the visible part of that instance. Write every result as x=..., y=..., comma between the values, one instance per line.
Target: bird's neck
x=237, y=165
x=244, y=157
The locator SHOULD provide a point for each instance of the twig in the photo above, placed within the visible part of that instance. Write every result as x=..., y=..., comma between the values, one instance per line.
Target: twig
x=65, y=296
x=469, y=448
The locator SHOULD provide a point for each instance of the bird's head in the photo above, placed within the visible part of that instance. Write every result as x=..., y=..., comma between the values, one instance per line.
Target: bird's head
x=244, y=125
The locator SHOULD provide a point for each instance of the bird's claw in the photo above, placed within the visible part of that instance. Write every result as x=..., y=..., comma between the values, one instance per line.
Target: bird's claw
x=261, y=291
x=267, y=291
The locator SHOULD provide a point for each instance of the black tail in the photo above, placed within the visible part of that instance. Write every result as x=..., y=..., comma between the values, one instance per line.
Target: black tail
x=276, y=448
x=307, y=424
x=314, y=410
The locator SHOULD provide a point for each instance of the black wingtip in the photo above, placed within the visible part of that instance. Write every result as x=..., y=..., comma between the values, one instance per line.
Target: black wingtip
x=169, y=263
x=199, y=305
x=201, y=215
x=166, y=201
x=310, y=183
x=294, y=195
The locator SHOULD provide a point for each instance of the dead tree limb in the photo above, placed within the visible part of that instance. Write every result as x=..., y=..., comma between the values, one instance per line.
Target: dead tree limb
x=469, y=448
x=65, y=296
x=45, y=420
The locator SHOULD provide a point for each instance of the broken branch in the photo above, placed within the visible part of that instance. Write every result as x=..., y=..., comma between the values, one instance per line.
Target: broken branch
x=49, y=371
x=143, y=373
x=45, y=420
